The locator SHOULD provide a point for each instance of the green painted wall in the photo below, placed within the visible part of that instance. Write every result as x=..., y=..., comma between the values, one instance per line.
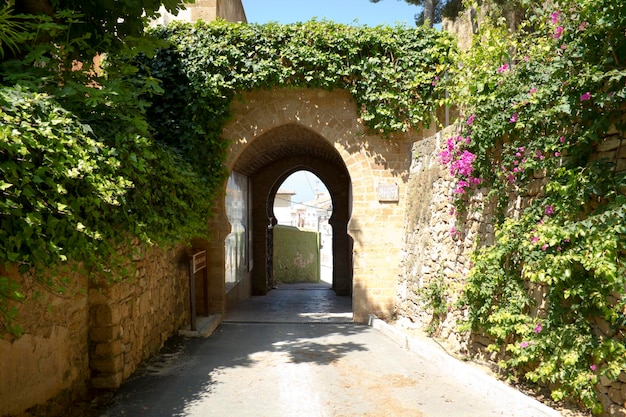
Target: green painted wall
x=296, y=255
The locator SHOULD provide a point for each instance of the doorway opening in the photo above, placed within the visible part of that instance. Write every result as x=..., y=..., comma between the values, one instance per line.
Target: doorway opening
x=303, y=236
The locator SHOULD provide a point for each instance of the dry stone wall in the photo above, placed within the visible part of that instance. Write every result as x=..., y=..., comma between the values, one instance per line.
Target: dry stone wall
x=93, y=334
x=437, y=253
x=434, y=254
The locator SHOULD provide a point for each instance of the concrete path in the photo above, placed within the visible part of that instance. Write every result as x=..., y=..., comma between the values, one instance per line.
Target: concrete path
x=281, y=356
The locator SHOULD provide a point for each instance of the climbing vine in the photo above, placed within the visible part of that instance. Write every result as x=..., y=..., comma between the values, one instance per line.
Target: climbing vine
x=540, y=104
x=392, y=72
x=92, y=158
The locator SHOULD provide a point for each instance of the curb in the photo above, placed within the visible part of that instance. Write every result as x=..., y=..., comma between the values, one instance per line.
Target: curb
x=464, y=373
x=205, y=327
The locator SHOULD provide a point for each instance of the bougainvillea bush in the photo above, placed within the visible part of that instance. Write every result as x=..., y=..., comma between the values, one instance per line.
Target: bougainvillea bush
x=539, y=104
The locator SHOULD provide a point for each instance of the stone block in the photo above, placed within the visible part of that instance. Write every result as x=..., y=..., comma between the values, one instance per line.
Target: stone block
x=615, y=395
x=107, y=350
x=112, y=381
x=104, y=333
x=105, y=315
x=610, y=144
x=107, y=365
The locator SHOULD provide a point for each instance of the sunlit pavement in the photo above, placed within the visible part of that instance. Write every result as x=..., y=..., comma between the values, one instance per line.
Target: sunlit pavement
x=278, y=357
x=294, y=303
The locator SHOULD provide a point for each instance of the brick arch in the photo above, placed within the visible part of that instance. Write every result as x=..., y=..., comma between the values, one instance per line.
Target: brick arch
x=276, y=132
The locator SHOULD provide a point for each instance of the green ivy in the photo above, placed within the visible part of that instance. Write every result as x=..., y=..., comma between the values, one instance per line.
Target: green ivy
x=80, y=174
x=392, y=72
x=539, y=103
x=91, y=160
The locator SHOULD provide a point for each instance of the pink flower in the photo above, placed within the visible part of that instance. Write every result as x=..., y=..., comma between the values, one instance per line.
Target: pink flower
x=544, y=247
x=549, y=210
x=533, y=90
x=558, y=32
x=521, y=149
x=586, y=96
x=538, y=328
x=513, y=118
x=524, y=345
x=535, y=239
x=460, y=189
x=452, y=231
x=593, y=367
x=555, y=17
x=540, y=155
x=526, y=58
x=503, y=68
x=470, y=119
x=557, y=154
x=562, y=139
x=582, y=25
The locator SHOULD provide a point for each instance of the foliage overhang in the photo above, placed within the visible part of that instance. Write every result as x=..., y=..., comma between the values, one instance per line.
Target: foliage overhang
x=392, y=72
x=90, y=161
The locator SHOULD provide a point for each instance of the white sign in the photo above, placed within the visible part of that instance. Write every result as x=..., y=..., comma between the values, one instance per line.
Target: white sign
x=388, y=193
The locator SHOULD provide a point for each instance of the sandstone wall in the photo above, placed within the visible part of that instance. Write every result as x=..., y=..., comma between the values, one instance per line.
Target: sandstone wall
x=50, y=359
x=93, y=334
x=437, y=256
x=130, y=321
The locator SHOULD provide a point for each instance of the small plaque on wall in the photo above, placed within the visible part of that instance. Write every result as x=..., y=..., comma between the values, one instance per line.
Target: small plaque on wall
x=388, y=193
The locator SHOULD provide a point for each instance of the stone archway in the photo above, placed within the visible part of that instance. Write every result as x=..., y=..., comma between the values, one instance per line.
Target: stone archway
x=276, y=132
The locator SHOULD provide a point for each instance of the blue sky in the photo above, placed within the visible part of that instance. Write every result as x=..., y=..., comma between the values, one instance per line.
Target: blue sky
x=358, y=12
x=385, y=12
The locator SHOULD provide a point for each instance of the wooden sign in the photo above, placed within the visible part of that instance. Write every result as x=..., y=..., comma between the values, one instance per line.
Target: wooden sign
x=199, y=261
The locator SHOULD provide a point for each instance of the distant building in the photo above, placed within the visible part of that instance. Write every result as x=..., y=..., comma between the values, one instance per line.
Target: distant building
x=207, y=10
x=314, y=214
x=282, y=206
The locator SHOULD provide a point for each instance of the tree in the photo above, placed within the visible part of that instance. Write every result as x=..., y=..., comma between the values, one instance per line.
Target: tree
x=103, y=24
x=434, y=10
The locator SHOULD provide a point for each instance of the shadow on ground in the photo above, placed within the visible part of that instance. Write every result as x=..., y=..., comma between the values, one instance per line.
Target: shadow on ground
x=188, y=371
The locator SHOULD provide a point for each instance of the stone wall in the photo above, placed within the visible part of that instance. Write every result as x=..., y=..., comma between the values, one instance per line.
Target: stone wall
x=51, y=358
x=130, y=321
x=91, y=334
x=438, y=256
x=433, y=252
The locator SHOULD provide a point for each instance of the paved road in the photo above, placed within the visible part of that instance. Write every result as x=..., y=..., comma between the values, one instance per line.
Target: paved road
x=319, y=367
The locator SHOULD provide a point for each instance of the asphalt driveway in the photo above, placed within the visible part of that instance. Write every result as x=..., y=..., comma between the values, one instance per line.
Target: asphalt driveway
x=308, y=365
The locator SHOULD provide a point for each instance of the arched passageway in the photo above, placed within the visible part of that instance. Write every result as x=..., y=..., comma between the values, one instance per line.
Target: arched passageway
x=268, y=161
x=275, y=133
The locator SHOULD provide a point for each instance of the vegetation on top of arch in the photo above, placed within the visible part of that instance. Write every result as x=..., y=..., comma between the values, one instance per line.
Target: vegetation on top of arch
x=392, y=72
